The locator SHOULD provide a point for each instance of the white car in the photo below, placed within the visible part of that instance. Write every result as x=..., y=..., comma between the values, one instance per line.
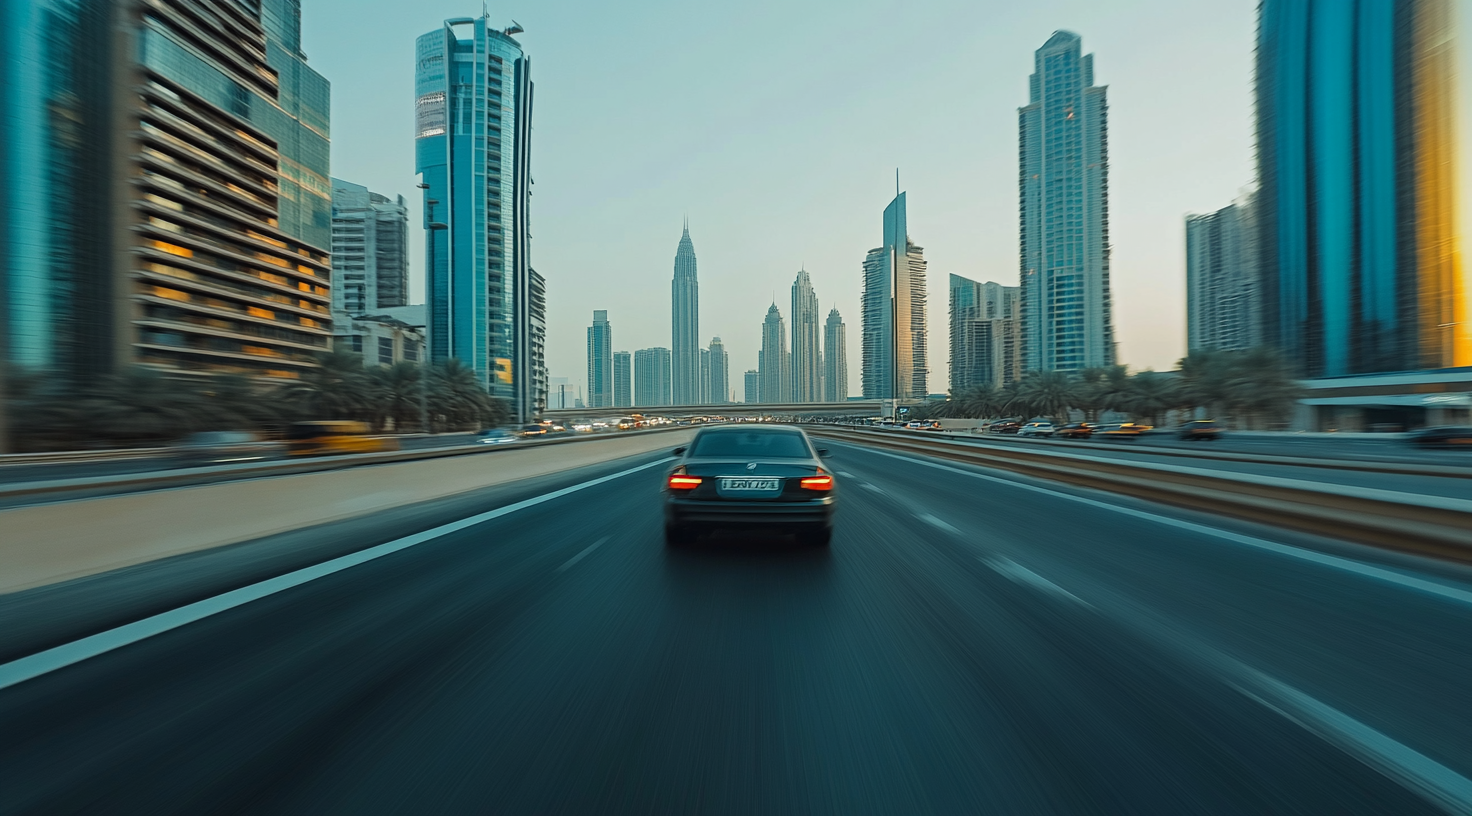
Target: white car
x=1036, y=429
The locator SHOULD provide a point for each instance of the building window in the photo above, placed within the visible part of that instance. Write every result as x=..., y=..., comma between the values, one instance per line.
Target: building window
x=411, y=351
x=356, y=343
x=385, y=351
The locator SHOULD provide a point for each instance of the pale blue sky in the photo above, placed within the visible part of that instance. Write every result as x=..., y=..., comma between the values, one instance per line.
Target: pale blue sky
x=777, y=127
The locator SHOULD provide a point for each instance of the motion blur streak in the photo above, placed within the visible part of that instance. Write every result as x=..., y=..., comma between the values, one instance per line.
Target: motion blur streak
x=904, y=669
x=18, y=671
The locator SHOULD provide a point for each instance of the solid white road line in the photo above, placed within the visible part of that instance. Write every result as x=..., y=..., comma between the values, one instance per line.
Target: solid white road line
x=1450, y=593
x=935, y=522
x=579, y=556
x=868, y=486
x=26, y=668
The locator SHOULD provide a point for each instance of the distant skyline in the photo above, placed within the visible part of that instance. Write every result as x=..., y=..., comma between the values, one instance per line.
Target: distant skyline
x=786, y=150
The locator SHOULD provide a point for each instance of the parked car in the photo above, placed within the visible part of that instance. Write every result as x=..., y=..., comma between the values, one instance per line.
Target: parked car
x=1043, y=429
x=224, y=447
x=1074, y=430
x=1445, y=436
x=495, y=436
x=1120, y=430
x=1200, y=430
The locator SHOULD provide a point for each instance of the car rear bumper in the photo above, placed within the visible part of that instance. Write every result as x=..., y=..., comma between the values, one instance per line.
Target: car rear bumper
x=753, y=513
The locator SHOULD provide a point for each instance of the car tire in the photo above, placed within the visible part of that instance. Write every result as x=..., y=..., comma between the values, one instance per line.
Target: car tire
x=678, y=535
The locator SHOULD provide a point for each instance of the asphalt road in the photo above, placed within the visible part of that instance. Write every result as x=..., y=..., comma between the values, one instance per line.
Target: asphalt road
x=968, y=644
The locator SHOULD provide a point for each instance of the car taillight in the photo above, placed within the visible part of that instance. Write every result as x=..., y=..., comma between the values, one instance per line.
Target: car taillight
x=679, y=481
x=823, y=482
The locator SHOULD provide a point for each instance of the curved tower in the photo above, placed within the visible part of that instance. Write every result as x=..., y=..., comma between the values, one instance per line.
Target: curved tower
x=685, y=325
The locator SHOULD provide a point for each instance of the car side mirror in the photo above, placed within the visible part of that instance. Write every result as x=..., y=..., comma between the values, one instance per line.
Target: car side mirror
x=679, y=450
x=824, y=453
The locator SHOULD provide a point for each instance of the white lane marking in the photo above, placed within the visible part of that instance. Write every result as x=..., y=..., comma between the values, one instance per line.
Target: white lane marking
x=1378, y=573
x=845, y=474
x=935, y=522
x=579, y=556
x=1436, y=782
x=26, y=668
x=1022, y=575
x=868, y=486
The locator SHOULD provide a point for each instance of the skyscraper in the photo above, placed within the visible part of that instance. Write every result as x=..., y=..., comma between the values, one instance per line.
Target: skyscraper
x=652, y=377
x=370, y=252
x=600, y=362
x=1223, y=288
x=835, y=358
x=774, y=361
x=151, y=165
x=1064, y=179
x=623, y=379
x=685, y=324
x=705, y=376
x=1358, y=228
x=720, y=364
x=894, y=363
x=473, y=106
x=985, y=334
x=807, y=374
x=751, y=387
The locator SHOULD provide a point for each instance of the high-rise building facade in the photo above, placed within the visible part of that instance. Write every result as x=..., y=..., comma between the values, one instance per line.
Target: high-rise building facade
x=1223, y=287
x=370, y=251
x=685, y=324
x=705, y=376
x=835, y=358
x=652, y=377
x=166, y=187
x=473, y=108
x=986, y=348
x=894, y=362
x=600, y=362
x=1358, y=230
x=623, y=379
x=773, y=362
x=719, y=389
x=807, y=373
x=751, y=387
x=1063, y=147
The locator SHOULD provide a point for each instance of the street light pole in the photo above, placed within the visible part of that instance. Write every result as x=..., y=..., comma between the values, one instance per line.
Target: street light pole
x=432, y=226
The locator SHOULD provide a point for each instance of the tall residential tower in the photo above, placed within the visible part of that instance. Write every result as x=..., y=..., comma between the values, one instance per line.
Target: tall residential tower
x=774, y=362
x=473, y=108
x=1063, y=146
x=601, y=377
x=806, y=370
x=835, y=358
x=370, y=250
x=1223, y=288
x=894, y=333
x=985, y=334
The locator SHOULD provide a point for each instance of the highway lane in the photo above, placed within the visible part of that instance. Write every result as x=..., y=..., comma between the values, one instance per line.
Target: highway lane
x=968, y=644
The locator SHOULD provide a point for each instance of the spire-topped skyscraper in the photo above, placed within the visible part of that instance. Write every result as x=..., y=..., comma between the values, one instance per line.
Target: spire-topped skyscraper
x=685, y=324
x=807, y=375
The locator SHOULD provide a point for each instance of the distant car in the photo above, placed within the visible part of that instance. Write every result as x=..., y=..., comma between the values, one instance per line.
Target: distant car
x=1043, y=429
x=495, y=436
x=533, y=431
x=1444, y=436
x=1120, y=430
x=1006, y=426
x=328, y=437
x=224, y=447
x=1074, y=430
x=742, y=477
x=1199, y=430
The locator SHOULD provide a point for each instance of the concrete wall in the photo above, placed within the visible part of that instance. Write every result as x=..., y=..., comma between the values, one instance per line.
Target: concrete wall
x=45, y=544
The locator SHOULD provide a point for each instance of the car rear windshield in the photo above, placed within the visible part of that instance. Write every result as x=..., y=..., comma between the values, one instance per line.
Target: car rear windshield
x=752, y=445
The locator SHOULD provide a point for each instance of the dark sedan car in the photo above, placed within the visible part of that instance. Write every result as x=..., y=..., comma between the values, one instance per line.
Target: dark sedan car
x=1445, y=436
x=749, y=477
x=1199, y=430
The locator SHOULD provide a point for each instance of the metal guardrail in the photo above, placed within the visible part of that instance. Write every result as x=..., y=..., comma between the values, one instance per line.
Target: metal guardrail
x=1427, y=525
x=61, y=489
x=1146, y=449
x=109, y=455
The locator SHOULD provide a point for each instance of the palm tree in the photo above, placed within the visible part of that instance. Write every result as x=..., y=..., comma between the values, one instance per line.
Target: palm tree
x=337, y=388
x=980, y=402
x=143, y=405
x=1262, y=386
x=1044, y=393
x=395, y=394
x=456, y=394
x=1089, y=392
x=1151, y=394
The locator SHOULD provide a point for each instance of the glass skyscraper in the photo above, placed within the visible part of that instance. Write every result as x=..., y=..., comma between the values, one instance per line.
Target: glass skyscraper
x=835, y=358
x=807, y=353
x=166, y=184
x=1223, y=287
x=1063, y=153
x=685, y=324
x=893, y=302
x=600, y=361
x=473, y=108
x=1357, y=225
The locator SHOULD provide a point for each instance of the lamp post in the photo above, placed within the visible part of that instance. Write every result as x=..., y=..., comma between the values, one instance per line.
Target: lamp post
x=433, y=226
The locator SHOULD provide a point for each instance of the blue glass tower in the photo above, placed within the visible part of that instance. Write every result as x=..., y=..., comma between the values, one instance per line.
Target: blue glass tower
x=473, y=106
x=1357, y=223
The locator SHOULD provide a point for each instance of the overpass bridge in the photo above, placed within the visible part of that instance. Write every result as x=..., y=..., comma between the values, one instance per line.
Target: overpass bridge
x=872, y=407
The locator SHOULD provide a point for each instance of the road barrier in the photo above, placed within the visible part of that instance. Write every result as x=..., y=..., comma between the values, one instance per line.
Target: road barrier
x=1427, y=525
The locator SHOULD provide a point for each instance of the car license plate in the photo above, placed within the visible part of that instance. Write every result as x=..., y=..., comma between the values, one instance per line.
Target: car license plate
x=756, y=485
